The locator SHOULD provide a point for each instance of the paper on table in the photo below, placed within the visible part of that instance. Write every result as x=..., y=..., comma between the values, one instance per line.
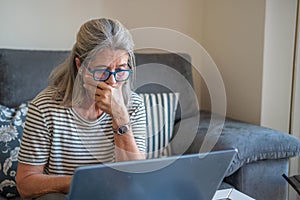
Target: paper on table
x=230, y=194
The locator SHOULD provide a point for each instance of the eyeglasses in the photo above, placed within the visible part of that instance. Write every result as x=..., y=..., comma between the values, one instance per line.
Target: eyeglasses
x=104, y=74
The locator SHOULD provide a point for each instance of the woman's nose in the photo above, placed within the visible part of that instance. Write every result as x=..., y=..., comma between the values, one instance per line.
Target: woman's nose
x=111, y=80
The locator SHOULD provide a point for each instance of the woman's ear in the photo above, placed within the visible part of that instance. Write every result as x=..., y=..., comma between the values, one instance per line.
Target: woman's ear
x=78, y=63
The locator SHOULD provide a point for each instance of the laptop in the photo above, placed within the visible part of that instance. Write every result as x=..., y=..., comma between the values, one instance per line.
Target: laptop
x=193, y=176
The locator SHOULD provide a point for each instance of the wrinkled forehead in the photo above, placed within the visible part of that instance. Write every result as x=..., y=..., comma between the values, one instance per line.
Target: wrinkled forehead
x=110, y=57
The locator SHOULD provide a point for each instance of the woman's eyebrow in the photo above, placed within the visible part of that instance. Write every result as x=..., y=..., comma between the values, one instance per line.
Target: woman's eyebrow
x=122, y=65
x=102, y=66
x=105, y=66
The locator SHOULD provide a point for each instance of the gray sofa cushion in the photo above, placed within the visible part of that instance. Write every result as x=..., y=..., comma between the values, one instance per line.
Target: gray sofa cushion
x=253, y=142
x=24, y=73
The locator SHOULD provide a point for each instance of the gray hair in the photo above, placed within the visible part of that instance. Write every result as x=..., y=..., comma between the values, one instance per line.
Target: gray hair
x=93, y=36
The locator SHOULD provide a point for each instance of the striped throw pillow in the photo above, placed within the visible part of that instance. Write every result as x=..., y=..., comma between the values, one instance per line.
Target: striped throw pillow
x=160, y=112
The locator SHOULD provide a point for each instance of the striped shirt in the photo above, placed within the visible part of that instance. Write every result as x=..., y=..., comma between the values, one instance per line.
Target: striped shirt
x=59, y=138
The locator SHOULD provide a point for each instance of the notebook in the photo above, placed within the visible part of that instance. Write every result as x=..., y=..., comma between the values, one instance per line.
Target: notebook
x=193, y=176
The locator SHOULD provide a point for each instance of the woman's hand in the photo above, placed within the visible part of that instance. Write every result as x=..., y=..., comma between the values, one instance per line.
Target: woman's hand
x=109, y=99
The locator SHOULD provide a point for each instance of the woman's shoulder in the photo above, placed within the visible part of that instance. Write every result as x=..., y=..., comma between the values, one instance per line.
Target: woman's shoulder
x=46, y=96
x=136, y=98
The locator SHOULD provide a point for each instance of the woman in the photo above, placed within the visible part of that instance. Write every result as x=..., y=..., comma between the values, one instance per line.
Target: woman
x=88, y=114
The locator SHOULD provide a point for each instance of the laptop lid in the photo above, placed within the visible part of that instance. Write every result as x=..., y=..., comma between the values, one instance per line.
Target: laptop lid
x=193, y=176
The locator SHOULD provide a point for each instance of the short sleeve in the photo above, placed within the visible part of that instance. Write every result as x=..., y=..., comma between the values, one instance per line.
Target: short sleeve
x=35, y=143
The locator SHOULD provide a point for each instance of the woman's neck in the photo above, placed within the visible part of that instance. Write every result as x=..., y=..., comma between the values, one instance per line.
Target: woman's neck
x=89, y=112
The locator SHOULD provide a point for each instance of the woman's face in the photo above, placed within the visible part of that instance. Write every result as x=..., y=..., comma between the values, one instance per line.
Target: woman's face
x=109, y=60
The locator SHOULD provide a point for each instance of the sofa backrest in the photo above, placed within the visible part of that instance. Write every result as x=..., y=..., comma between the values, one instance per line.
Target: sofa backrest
x=168, y=72
x=24, y=73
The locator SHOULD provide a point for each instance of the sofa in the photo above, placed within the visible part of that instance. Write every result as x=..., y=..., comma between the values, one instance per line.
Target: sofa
x=161, y=78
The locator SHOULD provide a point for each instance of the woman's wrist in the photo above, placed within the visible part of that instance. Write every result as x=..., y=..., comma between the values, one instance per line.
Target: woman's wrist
x=120, y=117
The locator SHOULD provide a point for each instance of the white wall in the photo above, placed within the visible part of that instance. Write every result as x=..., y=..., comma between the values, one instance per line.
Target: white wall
x=252, y=43
x=52, y=24
x=234, y=35
x=295, y=112
x=278, y=63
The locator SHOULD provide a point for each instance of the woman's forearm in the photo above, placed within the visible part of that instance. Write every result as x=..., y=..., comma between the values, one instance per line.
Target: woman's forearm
x=36, y=185
x=126, y=147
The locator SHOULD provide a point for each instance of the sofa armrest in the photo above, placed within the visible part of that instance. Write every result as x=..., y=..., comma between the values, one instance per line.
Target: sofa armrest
x=262, y=179
x=254, y=143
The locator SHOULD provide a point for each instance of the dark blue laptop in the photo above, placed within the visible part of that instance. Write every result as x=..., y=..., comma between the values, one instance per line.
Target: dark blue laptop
x=194, y=176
